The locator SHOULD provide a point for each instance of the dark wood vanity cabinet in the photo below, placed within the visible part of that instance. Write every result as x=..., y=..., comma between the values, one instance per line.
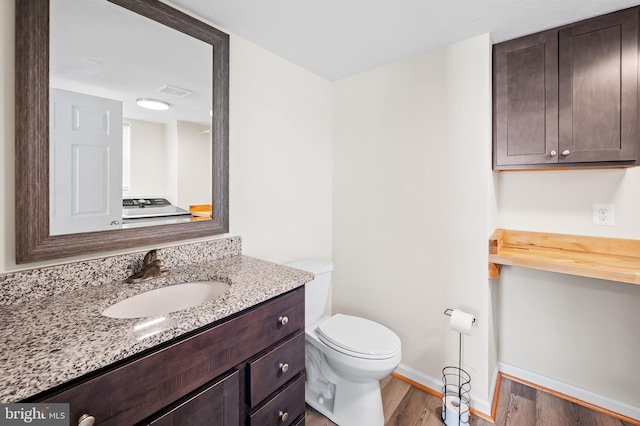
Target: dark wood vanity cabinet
x=568, y=97
x=248, y=367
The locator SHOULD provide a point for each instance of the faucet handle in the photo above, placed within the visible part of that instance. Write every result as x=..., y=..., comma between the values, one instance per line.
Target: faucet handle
x=151, y=269
x=150, y=257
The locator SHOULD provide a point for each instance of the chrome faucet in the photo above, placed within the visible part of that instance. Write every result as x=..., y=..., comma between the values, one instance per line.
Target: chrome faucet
x=151, y=269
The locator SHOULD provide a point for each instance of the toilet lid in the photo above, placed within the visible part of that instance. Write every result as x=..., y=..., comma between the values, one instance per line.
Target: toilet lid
x=359, y=336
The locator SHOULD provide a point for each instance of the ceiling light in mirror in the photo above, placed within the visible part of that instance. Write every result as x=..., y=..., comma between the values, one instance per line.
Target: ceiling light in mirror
x=152, y=104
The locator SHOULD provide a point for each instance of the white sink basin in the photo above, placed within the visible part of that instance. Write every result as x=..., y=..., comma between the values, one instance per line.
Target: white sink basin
x=166, y=299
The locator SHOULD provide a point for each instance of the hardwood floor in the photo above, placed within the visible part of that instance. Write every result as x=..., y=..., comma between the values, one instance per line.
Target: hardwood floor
x=518, y=405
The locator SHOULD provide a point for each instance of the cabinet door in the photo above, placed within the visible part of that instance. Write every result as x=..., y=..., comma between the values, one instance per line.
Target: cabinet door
x=598, y=89
x=214, y=404
x=525, y=100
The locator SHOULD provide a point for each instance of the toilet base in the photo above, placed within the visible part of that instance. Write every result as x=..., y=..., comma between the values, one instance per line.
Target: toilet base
x=353, y=404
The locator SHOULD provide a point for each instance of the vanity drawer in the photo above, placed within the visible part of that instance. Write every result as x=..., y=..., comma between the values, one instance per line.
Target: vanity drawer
x=284, y=408
x=146, y=384
x=275, y=368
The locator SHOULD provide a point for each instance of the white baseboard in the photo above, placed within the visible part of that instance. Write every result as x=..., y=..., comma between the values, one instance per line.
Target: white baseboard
x=572, y=391
x=479, y=404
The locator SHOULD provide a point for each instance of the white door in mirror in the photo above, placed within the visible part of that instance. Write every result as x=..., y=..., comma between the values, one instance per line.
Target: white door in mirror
x=86, y=162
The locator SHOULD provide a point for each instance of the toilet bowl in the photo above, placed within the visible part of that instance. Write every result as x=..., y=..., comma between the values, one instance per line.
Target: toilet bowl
x=345, y=356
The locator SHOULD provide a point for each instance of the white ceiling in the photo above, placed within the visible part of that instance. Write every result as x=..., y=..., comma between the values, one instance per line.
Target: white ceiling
x=338, y=38
x=105, y=50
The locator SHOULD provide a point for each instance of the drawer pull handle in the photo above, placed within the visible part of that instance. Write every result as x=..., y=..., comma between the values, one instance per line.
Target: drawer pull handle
x=566, y=152
x=283, y=320
x=284, y=367
x=283, y=416
x=86, y=420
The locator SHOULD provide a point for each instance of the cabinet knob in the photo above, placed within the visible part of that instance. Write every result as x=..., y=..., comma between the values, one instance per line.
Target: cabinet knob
x=284, y=367
x=552, y=153
x=86, y=420
x=283, y=416
x=283, y=320
x=566, y=152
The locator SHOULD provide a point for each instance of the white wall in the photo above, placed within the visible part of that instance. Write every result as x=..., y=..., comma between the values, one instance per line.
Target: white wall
x=280, y=156
x=171, y=160
x=194, y=164
x=280, y=143
x=561, y=201
x=413, y=199
x=148, y=159
x=187, y=158
x=579, y=331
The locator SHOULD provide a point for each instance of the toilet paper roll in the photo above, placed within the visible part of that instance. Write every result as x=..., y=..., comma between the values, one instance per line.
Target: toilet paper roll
x=454, y=412
x=461, y=322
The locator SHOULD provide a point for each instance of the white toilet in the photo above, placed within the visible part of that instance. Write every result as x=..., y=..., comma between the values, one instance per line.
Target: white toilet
x=345, y=356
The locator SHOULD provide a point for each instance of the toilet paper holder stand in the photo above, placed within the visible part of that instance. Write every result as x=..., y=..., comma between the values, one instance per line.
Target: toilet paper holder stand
x=460, y=388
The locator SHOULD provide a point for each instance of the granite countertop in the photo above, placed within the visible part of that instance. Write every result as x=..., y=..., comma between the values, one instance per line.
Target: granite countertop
x=48, y=341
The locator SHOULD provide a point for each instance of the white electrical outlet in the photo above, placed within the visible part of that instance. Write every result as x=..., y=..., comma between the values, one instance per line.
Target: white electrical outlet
x=604, y=214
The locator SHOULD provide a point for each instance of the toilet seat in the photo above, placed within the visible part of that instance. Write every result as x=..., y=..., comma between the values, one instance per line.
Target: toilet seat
x=358, y=337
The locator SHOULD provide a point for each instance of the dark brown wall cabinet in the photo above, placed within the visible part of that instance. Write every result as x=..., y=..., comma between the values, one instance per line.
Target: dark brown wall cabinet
x=248, y=370
x=568, y=97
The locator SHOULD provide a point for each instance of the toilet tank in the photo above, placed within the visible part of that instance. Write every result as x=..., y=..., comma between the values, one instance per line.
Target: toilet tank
x=316, y=292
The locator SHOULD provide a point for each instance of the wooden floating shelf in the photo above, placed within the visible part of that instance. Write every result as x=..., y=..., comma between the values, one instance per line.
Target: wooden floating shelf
x=596, y=257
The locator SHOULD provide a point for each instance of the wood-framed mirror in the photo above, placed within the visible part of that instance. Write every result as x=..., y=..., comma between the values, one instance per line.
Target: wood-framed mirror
x=34, y=240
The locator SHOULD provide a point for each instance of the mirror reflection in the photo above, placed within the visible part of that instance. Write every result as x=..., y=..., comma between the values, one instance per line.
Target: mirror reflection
x=113, y=163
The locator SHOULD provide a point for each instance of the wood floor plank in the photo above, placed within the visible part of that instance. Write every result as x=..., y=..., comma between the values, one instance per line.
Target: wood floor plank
x=434, y=405
x=505, y=390
x=520, y=411
x=479, y=421
x=313, y=418
x=550, y=411
x=524, y=391
x=579, y=415
x=394, y=392
x=384, y=382
x=414, y=410
x=603, y=419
